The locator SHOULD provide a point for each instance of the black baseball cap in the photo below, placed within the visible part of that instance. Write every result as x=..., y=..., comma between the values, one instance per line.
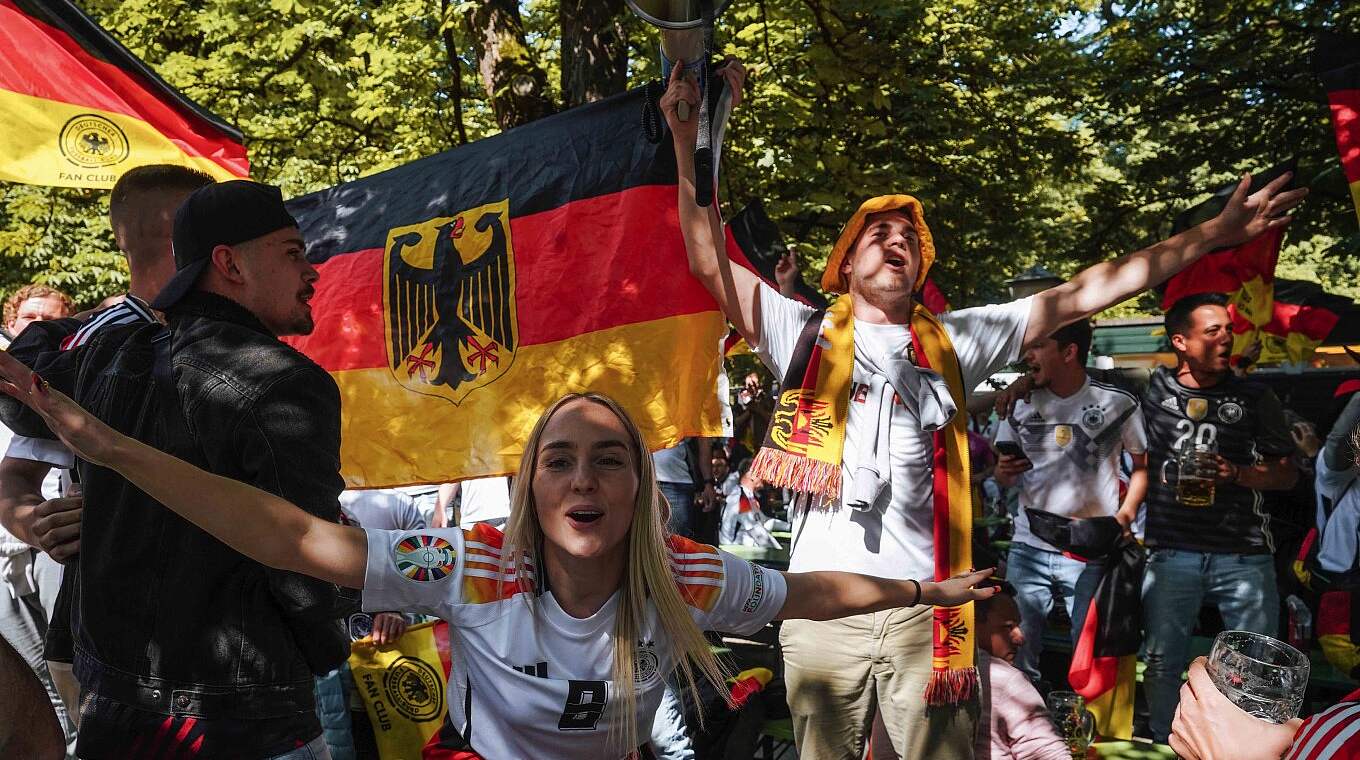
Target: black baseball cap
x=224, y=213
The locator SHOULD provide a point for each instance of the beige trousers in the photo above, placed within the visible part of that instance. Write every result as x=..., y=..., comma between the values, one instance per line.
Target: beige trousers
x=839, y=672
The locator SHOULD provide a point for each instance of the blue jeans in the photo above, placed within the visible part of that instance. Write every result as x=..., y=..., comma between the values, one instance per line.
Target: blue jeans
x=683, y=514
x=314, y=750
x=1039, y=576
x=1176, y=585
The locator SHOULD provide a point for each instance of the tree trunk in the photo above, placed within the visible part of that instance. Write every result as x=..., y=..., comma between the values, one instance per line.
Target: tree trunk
x=594, y=50
x=455, y=70
x=514, y=81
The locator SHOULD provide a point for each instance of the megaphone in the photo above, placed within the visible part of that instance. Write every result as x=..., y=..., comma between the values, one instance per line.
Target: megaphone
x=676, y=14
x=687, y=34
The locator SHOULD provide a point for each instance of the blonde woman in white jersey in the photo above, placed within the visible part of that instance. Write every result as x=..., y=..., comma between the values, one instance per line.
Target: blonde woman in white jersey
x=571, y=659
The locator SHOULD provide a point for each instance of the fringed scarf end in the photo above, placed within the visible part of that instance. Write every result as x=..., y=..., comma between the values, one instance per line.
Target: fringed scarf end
x=798, y=473
x=952, y=687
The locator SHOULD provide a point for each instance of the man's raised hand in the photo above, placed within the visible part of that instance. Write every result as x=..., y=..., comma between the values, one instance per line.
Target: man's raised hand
x=680, y=89
x=1247, y=216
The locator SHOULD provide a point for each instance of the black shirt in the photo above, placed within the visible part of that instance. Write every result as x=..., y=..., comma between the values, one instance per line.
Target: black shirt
x=1246, y=422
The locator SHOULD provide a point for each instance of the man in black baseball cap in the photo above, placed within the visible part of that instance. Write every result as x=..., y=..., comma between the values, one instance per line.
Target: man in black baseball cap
x=238, y=240
x=182, y=639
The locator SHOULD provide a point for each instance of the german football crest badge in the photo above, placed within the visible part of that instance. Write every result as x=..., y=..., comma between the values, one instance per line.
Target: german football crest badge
x=1062, y=435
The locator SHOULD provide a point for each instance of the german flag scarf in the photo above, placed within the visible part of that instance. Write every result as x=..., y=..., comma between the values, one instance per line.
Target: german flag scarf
x=804, y=447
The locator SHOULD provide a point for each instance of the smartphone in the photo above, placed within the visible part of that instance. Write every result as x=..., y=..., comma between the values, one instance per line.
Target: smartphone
x=1010, y=449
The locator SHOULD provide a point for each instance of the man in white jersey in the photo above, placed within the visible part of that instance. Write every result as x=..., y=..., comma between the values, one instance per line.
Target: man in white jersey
x=1065, y=444
x=838, y=672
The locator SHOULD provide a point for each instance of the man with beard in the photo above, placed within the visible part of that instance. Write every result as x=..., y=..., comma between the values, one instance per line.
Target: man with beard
x=1217, y=548
x=869, y=432
x=182, y=644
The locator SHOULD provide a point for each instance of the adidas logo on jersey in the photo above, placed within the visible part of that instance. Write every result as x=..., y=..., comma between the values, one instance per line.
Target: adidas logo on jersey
x=1171, y=403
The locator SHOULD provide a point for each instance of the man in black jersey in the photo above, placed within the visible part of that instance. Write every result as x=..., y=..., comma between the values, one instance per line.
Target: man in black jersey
x=1219, y=553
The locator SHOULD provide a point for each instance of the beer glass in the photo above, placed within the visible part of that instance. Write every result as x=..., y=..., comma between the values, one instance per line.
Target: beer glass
x=1194, y=476
x=1263, y=676
x=1076, y=725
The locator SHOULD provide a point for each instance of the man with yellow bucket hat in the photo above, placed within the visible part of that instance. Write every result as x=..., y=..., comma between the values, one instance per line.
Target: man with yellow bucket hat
x=869, y=433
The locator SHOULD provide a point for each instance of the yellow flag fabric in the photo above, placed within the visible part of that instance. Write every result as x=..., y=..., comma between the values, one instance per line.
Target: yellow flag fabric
x=403, y=688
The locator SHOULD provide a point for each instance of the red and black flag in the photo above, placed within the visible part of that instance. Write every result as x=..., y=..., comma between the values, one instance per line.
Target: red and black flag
x=77, y=109
x=1105, y=659
x=1336, y=60
x=1246, y=273
x=464, y=292
x=1302, y=317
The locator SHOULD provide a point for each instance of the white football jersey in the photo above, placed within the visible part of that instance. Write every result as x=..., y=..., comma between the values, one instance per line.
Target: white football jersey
x=529, y=680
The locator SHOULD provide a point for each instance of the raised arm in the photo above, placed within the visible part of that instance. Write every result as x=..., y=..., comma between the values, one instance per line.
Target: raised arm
x=1108, y=283
x=829, y=594
x=736, y=289
x=261, y=526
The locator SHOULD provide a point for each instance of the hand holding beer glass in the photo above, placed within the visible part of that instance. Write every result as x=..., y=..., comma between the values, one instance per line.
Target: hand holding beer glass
x=1196, y=466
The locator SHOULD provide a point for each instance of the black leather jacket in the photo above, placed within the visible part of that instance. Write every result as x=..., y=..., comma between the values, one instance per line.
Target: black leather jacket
x=167, y=618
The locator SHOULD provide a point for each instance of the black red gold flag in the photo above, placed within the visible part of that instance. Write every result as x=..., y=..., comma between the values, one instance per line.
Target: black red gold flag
x=1105, y=658
x=1303, y=315
x=464, y=292
x=77, y=109
x=1245, y=273
x=1336, y=60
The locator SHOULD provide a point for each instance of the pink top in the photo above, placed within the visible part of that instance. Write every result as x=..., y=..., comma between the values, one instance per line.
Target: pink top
x=1014, y=711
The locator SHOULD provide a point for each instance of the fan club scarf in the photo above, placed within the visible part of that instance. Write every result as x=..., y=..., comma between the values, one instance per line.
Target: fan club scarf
x=803, y=451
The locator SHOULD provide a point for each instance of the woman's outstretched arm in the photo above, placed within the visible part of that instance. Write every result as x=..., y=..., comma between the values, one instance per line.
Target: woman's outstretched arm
x=829, y=594
x=261, y=526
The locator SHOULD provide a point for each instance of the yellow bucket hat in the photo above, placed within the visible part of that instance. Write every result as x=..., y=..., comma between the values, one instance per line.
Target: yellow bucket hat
x=832, y=279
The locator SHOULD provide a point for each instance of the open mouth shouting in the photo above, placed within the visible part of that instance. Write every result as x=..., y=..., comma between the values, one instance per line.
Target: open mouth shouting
x=584, y=516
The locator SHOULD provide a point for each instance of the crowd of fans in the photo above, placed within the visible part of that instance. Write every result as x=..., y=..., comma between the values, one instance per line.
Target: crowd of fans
x=208, y=601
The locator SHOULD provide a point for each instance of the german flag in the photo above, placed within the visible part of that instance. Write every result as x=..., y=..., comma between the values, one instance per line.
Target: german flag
x=1302, y=316
x=1246, y=273
x=78, y=109
x=1105, y=658
x=1336, y=60
x=462, y=293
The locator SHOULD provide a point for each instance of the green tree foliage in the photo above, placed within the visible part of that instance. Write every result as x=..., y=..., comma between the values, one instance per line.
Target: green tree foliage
x=1052, y=131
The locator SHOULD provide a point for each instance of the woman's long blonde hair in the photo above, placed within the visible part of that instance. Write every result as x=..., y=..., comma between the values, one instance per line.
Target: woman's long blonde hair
x=647, y=574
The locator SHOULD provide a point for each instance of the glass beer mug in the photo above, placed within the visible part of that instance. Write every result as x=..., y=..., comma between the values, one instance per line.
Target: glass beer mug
x=1195, y=468
x=1076, y=725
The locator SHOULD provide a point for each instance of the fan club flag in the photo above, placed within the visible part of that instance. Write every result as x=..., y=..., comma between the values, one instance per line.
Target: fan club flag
x=463, y=293
x=1336, y=59
x=77, y=109
x=403, y=687
x=1245, y=273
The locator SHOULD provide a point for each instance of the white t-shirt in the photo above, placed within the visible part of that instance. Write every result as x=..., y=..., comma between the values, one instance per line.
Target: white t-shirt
x=672, y=465
x=527, y=678
x=1075, y=444
x=382, y=508
x=51, y=453
x=895, y=539
x=484, y=499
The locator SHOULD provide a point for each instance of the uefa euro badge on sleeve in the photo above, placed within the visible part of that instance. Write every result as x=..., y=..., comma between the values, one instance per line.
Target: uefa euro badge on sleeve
x=424, y=557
